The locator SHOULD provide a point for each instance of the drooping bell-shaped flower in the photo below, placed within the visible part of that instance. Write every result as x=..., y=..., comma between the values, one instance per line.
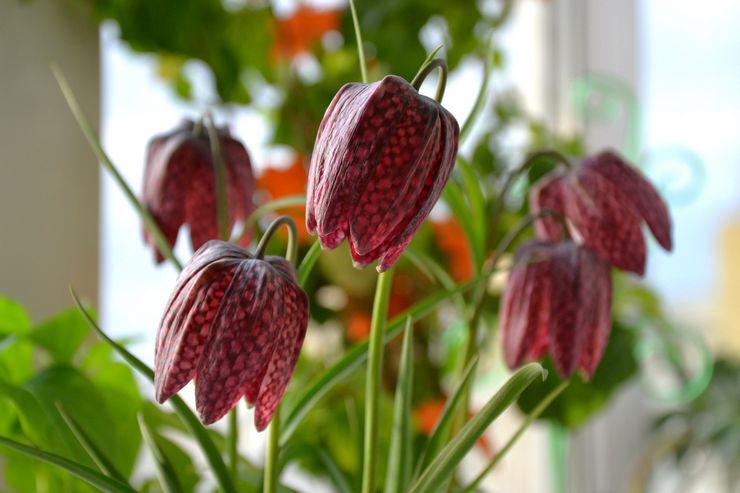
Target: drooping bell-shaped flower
x=235, y=324
x=179, y=183
x=605, y=201
x=557, y=300
x=383, y=154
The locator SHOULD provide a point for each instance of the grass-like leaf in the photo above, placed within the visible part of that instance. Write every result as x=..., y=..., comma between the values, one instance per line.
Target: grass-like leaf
x=455, y=198
x=356, y=357
x=91, y=476
x=194, y=426
x=441, y=432
x=92, y=138
x=530, y=419
x=97, y=455
x=308, y=263
x=165, y=471
x=399, y=456
x=443, y=467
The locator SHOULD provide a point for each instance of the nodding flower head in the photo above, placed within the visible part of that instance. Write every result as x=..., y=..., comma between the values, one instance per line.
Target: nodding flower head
x=179, y=183
x=605, y=201
x=383, y=154
x=557, y=300
x=235, y=324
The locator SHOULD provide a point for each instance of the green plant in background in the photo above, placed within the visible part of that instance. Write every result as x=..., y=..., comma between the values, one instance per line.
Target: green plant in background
x=440, y=296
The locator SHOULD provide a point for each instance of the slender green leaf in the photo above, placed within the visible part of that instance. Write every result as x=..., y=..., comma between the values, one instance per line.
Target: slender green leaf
x=308, y=263
x=441, y=432
x=92, y=138
x=165, y=471
x=399, y=455
x=530, y=419
x=444, y=465
x=454, y=197
x=97, y=455
x=96, y=479
x=335, y=473
x=273, y=205
x=472, y=185
x=194, y=426
x=356, y=357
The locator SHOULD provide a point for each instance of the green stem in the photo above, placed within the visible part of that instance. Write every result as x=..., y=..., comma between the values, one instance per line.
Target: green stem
x=272, y=463
x=160, y=240
x=291, y=252
x=272, y=467
x=559, y=458
x=219, y=173
x=358, y=37
x=232, y=440
x=373, y=378
x=436, y=63
x=482, y=96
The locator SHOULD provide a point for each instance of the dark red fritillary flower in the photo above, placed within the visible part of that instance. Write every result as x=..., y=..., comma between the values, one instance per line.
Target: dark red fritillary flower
x=179, y=184
x=605, y=201
x=557, y=300
x=236, y=324
x=382, y=157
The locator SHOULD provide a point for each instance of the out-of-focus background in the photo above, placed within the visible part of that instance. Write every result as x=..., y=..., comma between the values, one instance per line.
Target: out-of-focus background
x=657, y=79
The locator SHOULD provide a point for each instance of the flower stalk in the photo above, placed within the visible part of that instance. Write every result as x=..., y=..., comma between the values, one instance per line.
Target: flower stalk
x=219, y=173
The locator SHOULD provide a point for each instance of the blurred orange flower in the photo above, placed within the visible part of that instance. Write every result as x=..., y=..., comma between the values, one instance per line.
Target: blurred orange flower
x=454, y=244
x=358, y=326
x=283, y=182
x=296, y=34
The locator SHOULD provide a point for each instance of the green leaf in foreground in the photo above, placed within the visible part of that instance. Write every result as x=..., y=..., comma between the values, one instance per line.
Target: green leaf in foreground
x=97, y=455
x=441, y=431
x=165, y=471
x=196, y=429
x=356, y=357
x=399, y=456
x=100, y=481
x=444, y=465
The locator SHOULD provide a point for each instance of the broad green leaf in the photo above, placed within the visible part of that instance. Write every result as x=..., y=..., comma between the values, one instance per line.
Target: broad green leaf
x=61, y=335
x=13, y=318
x=165, y=470
x=97, y=455
x=194, y=426
x=399, y=456
x=500, y=454
x=36, y=424
x=16, y=359
x=443, y=466
x=83, y=472
x=441, y=432
x=355, y=357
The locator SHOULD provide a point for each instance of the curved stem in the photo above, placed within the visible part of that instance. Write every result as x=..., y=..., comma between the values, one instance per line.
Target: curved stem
x=273, y=205
x=358, y=37
x=291, y=252
x=437, y=63
x=219, y=174
x=372, y=381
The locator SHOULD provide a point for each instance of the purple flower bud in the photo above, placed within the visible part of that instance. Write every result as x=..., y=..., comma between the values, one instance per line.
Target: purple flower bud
x=179, y=184
x=236, y=324
x=557, y=300
x=605, y=201
x=383, y=154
